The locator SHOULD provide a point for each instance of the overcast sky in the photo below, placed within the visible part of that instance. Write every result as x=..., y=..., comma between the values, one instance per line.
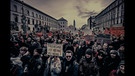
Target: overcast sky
x=78, y=10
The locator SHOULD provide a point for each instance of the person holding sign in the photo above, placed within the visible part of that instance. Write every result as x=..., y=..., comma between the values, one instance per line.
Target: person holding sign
x=53, y=66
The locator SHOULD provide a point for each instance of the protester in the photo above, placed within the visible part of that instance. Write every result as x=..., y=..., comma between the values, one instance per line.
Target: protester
x=120, y=71
x=35, y=64
x=18, y=62
x=111, y=62
x=100, y=62
x=88, y=65
x=34, y=61
x=69, y=66
x=53, y=66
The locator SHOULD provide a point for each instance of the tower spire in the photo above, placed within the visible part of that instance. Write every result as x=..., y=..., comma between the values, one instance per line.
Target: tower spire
x=74, y=24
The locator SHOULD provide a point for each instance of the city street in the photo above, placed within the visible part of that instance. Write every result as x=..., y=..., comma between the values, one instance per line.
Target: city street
x=67, y=38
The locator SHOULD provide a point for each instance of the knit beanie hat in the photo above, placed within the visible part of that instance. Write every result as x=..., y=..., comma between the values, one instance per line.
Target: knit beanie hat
x=89, y=52
x=122, y=62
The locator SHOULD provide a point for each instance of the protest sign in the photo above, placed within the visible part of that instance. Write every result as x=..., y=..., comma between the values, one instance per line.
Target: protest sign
x=54, y=49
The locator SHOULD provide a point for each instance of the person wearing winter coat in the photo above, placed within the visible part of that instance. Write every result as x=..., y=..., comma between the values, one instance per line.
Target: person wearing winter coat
x=87, y=65
x=100, y=61
x=35, y=65
x=53, y=66
x=111, y=62
x=120, y=71
x=69, y=65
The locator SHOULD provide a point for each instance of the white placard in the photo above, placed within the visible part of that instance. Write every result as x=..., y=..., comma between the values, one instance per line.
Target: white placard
x=54, y=49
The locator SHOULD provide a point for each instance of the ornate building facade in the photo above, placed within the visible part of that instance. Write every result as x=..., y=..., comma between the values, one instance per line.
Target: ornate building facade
x=24, y=17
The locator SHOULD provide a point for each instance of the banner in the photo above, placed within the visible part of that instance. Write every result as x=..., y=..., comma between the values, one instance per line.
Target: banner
x=103, y=40
x=54, y=49
x=89, y=37
x=117, y=31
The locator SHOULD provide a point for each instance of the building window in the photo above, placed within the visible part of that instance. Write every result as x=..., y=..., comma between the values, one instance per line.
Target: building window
x=28, y=20
x=28, y=13
x=15, y=18
x=39, y=22
x=43, y=22
x=33, y=21
x=36, y=21
x=42, y=18
x=22, y=10
x=39, y=16
x=45, y=18
x=32, y=14
x=36, y=15
x=15, y=8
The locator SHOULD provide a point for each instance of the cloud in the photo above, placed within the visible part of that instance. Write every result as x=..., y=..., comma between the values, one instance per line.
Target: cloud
x=78, y=10
x=105, y=3
x=85, y=9
x=84, y=13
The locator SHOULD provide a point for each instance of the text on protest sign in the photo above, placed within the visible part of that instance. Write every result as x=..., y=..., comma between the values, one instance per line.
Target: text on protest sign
x=54, y=49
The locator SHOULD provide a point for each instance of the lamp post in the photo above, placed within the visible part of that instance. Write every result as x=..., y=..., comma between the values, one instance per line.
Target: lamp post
x=24, y=19
x=24, y=23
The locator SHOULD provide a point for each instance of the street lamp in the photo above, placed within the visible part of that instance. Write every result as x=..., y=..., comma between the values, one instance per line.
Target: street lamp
x=24, y=23
x=24, y=19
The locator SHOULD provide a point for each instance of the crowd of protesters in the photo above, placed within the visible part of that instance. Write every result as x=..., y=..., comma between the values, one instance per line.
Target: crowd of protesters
x=28, y=56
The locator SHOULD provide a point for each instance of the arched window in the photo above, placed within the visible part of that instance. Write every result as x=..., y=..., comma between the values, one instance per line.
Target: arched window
x=33, y=22
x=39, y=16
x=15, y=17
x=22, y=10
x=15, y=8
x=32, y=14
x=39, y=22
x=28, y=20
x=36, y=15
x=28, y=13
